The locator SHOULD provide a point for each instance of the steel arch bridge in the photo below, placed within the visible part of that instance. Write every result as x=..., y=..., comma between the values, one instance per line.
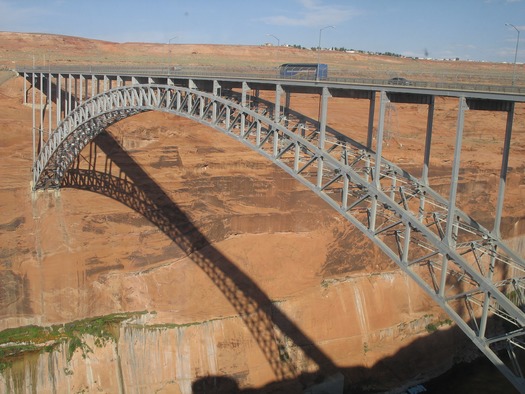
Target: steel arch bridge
x=463, y=266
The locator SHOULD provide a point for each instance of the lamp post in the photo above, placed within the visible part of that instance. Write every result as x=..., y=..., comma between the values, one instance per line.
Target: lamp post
x=278, y=41
x=169, y=42
x=319, y=47
x=515, y=53
x=278, y=44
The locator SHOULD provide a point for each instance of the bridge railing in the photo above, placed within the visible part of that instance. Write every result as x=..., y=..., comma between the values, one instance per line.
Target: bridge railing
x=449, y=81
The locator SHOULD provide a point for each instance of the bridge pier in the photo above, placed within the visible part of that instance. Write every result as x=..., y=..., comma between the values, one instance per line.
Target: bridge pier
x=371, y=113
x=496, y=230
x=323, y=116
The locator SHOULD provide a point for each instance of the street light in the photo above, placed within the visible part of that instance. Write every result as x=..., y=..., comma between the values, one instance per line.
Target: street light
x=515, y=53
x=319, y=47
x=278, y=41
x=169, y=42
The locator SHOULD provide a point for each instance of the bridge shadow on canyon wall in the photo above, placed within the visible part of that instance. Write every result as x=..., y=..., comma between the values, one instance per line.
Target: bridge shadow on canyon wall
x=390, y=375
x=472, y=372
x=267, y=323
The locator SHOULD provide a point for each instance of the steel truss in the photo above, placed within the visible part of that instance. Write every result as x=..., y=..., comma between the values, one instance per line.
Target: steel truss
x=475, y=277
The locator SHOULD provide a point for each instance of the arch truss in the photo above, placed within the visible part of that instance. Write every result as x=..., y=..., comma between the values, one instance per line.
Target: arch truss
x=475, y=277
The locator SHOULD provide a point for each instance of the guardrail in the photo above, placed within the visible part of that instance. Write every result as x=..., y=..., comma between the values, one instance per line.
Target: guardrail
x=273, y=74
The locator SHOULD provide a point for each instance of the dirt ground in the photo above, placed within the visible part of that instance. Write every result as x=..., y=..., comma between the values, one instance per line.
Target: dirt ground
x=43, y=49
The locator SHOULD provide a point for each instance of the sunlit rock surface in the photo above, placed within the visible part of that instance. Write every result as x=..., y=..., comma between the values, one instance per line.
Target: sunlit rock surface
x=336, y=303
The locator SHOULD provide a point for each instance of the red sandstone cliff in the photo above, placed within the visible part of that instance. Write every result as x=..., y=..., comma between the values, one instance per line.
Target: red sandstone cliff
x=334, y=297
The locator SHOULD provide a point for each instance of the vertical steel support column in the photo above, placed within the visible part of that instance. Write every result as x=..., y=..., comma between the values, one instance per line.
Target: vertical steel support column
x=81, y=90
x=201, y=106
x=322, y=133
x=193, y=86
x=33, y=115
x=344, y=154
x=428, y=141
x=406, y=244
x=76, y=91
x=25, y=88
x=455, y=172
x=496, y=231
x=41, y=126
x=258, y=135
x=245, y=89
x=69, y=94
x=426, y=158
x=379, y=139
x=50, y=104
x=216, y=92
x=287, y=99
x=451, y=214
x=244, y=93
x=393, y=186
x=87, y=80
x=277, y=107
x=59, y=100
x=370, y=132
x=323, y=116
x=371, y=113
x=344, y=202
x=277, y=118
x=228, y=119
x=94, y=81
x=486, y=299
x=379, y=151
x=168, y=99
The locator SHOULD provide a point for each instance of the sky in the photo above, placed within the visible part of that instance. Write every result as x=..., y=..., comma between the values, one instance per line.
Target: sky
x=439, y=29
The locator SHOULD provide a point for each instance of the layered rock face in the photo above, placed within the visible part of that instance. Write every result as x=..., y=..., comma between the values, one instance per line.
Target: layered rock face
x=234, y=275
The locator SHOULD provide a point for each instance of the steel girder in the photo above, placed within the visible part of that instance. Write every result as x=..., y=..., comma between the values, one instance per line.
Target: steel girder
x=466, y=269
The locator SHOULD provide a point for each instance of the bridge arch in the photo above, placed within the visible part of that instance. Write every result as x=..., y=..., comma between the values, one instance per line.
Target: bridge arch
x=453, y=258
